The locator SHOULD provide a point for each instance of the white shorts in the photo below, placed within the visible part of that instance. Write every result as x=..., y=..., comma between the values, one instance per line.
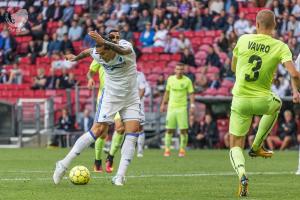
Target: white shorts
x=108, y=107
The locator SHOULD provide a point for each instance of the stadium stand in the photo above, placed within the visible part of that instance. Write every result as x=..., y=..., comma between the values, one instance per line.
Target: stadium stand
x=210, y=29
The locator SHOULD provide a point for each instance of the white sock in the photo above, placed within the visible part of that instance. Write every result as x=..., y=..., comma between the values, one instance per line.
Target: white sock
x=84, y=141
x=141, y=142
x=127, y=153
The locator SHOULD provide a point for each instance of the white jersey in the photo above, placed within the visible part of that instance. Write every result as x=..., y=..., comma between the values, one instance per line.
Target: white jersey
x=120, y=73
x=297, y=63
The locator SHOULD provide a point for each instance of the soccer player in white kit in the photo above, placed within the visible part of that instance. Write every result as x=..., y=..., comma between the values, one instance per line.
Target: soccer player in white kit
x=119, y=95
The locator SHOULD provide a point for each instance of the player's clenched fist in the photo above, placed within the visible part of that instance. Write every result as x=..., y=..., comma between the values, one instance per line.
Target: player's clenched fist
x=95, y=36
x=70, y=57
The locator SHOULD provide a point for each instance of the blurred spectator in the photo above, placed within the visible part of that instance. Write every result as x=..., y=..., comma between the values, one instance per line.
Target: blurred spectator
x=125, y=6
x=147, y=36
x=52, y=80
x=39, y=82
x=75, y=31
x=188, y=58
x=296, y=10
x=67, y=12
x=8, y=46
x=206, y=19
x=66, y=44
x=38, y=27
x=209, y=134
x=184, y=43
x=253, y=130
x=189, y=74
x=4, y=77
x=184, y=7
x=171, y=44
x=86, y=121
x=292, y=24
x=133, y=20
x=160, y=85
x=15, y=76
x=111, y=23
x=54, y=45
x=45, y=11
x=215, y=82
x=143, y=20
x=33, y=50
x=44, y=47
x=134, y=5
x=215, y=6
x=283, y=24
x=220, y=21
x=229, y=26
x=32, y=14
x=63, y=79
x=277, y=8
x=223, y=42
x=280, y=86
x=226, y=71
x=200, y=83
x=118, y=11
x=55, y=12
x=61, y=30
x=143, y=5
x=160, y=36
x=70, y=82
x=126, y=34
x=194, y=130
x=241, y=25
x=65, y=123
x=287, y=131
x=88, y=42
x=212, y=58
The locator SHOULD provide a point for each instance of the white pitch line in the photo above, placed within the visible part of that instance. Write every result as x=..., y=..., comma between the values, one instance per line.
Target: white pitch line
x=158, y=175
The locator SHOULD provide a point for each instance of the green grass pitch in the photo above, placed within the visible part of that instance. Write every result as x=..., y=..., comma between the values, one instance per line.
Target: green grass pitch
x=26, y=174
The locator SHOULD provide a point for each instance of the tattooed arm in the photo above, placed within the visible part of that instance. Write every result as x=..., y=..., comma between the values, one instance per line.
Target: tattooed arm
x=118, y=48
x=115, y=47
x=83, y=54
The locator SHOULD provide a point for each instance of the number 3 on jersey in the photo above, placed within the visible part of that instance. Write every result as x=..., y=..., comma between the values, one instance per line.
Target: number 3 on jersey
x=255, y=69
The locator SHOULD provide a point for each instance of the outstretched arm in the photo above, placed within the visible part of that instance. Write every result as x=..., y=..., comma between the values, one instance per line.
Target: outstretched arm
x=83, y=54
x=115, y=47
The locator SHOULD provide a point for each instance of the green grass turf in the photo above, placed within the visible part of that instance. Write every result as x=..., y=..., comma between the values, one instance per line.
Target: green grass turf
x=164, y=178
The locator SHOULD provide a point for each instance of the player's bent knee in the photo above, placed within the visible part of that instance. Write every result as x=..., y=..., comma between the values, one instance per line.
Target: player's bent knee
x=132, y=126
x=98, y=129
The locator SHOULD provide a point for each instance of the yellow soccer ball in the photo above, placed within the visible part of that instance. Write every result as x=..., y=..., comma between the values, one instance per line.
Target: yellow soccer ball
x=79, y=175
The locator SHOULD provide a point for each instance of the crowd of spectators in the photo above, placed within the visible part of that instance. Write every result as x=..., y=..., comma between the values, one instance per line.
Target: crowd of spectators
x=156, y=24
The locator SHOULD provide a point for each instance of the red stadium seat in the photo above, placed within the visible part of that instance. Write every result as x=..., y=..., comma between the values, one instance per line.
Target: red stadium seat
x=223, y=91
x=213, y=69
x=176, y=57
x=165, y=57
x=227, y=83
x=210, y=92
